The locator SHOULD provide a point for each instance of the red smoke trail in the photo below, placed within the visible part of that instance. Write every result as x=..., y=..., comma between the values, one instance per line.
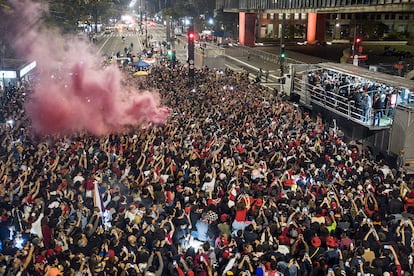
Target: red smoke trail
x=74, y=92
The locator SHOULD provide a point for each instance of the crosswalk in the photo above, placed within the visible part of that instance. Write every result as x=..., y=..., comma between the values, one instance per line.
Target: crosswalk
x=121, y=35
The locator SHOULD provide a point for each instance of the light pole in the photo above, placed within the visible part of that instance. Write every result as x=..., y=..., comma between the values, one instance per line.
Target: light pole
x=140, y=16
x=3, y=52
x=4, y=84
x=282, y=50
x=146, y=31
x=355, y=45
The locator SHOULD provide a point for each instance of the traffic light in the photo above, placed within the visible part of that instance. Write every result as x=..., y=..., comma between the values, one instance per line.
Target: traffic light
x=282, y=59
x=191, y=37
x=282, y=52
x=358, y=46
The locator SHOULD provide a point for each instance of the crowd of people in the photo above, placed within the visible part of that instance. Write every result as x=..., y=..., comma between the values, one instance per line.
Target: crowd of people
x=238, y=181
x=369, y=101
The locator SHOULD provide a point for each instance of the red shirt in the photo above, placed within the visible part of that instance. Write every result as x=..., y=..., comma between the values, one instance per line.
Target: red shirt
x=47, y=235
x=241, y=215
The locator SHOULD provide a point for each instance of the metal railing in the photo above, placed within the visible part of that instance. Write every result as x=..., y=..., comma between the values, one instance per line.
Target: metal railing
x=346, y=107
x=266, y=56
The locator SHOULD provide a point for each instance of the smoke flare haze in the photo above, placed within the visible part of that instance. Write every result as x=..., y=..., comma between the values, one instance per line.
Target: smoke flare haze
x=73, y=93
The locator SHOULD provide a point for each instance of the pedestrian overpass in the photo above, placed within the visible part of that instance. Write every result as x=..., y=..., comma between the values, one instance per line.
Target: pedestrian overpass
x=396, y=128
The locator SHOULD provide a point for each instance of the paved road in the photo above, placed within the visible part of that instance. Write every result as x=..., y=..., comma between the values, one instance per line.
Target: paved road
x=110, y=44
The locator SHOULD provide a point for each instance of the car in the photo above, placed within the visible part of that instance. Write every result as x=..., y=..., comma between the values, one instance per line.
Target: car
x=108, y=30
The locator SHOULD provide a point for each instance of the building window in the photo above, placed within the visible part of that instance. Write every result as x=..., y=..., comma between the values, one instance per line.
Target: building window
x=304, y=16
x=281, y=16
x=378, y=16
x=387, y=16
x=272, y=16
x=402, y=28
x=288, y=16
x=296, y=16
x=393, y=16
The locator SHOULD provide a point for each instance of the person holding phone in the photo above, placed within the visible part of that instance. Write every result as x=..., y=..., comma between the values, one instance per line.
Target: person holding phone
x=245, y=264
x=384, y=263
x=357, y=262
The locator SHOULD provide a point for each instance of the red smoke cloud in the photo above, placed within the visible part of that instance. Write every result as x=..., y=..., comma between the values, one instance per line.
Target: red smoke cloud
x=74, y=92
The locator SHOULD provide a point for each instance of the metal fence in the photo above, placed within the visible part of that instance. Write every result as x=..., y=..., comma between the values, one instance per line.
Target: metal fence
x=310, y=94
x=266, y=56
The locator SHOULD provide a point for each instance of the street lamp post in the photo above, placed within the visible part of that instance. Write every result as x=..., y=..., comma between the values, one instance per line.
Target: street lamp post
x=3, y=52
x=282, y=50
x=146, y=31
x=140, y=16
x=355, y=45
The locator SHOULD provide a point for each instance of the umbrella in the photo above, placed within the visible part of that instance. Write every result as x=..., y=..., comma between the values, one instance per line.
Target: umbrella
x=150, y=60
x=140, y=73
x=140, y=63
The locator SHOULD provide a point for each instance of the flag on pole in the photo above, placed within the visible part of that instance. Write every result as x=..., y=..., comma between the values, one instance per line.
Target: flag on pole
x=97, y=198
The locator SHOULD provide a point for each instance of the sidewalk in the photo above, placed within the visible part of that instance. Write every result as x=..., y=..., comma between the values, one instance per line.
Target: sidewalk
x=253, y=64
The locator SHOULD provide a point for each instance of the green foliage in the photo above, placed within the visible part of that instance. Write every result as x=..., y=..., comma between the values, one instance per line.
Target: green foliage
x=190, y=8
x=397, y=36
x=66, y=14
x=373, y=29
x=290, y=31
x=293, y=31
x=4, y=4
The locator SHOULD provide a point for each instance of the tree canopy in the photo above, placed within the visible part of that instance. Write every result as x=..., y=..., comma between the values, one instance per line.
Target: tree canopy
x=66, y=14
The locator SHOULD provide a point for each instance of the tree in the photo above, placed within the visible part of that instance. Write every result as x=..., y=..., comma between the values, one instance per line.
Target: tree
x=290, y=31
x=190, y=8
x=4, y=4
x=66, y=14
x=373, y=29
x=228, y=20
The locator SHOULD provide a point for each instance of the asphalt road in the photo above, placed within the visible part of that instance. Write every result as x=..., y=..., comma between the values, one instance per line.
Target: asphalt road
x=331, y=53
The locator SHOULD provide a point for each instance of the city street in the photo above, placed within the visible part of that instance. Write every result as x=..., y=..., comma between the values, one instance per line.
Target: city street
x=109, y=45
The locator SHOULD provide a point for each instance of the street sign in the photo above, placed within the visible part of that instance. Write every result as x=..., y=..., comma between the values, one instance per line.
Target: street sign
x=359, y=57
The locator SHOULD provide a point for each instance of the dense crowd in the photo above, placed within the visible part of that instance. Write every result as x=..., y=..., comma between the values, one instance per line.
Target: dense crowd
x=369, y=101
x=236, y=182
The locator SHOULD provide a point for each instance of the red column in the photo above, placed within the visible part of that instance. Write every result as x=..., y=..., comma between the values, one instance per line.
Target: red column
x=247, y=24
x=316, y=27
x=311, y=34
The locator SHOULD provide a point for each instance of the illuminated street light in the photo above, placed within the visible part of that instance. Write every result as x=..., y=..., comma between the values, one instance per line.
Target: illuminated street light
x=132, y=3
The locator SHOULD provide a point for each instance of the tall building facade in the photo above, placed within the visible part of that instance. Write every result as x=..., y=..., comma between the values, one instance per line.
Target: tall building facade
x=322, y=19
